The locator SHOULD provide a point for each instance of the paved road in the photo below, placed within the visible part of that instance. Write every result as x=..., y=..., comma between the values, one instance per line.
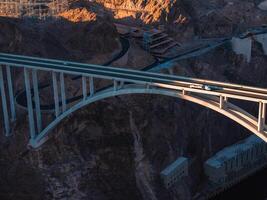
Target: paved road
x=133, y=76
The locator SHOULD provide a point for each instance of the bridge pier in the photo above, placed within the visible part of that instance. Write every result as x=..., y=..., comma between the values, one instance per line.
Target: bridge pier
x=121, y=84
x=84, y=87
x=62, y=91
x=92, y=88
x=140, y=83
x=11, y=94
x=223, y=101
x=261, y=116
x=115, y=87
x=170, y=70
x=55, y=90
x=243, y=47
x=147, y=86
x=37, y=100
x=4, y=103
x=29, y=103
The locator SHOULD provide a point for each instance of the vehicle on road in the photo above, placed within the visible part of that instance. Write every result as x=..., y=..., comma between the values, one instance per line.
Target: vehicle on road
x=205, y=87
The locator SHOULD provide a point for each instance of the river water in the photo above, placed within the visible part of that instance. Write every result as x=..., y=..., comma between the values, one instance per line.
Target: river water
x=251, y=188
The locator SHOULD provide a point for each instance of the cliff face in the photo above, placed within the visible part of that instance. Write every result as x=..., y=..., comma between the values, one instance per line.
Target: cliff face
x=59, y=39
x=150, y=11
x=116, y=148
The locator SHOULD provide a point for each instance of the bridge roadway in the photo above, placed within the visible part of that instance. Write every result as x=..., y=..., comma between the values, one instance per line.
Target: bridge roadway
x=228, y=90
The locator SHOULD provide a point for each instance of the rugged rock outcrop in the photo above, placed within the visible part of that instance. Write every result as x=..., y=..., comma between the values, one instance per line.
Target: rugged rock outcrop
x=59, y=38
x=116, y=148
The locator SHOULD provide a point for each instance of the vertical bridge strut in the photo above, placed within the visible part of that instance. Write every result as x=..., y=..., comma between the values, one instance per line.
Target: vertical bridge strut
x=29, y=103
x=55, y=91
x=261, y=116
x=37, y=100
x=4, y=103
x=223, y=101
x=11, y=94
x=62, y=91
x=84, y=87
x=92, y=88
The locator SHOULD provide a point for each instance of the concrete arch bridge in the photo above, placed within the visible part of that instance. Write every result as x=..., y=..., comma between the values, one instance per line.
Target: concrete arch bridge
x=211, y=94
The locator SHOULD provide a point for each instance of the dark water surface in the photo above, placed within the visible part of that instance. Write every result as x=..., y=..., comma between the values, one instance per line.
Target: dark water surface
x=251, y=188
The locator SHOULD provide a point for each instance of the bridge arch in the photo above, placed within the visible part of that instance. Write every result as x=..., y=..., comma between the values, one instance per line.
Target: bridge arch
x=231, y=111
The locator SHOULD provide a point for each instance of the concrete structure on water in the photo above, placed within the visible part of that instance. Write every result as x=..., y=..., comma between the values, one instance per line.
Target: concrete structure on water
x=236, y=161
x=174, y=172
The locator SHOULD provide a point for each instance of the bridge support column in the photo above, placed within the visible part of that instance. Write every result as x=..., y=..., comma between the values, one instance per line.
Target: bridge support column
x=55, y=90
x=29, y=103
x=261, y=116
x=115, y=85
x=121, y=84
x=11, y=94
x=4, y=103
x=170, y=70
x=62, y=91
x=37, y=100
x=223, y=100
x=147, y=86
x=92, y=87
x=264, y=114
x=84, y=87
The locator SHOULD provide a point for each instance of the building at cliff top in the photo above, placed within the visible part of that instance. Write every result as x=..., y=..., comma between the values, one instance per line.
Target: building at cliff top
x=174, y=172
